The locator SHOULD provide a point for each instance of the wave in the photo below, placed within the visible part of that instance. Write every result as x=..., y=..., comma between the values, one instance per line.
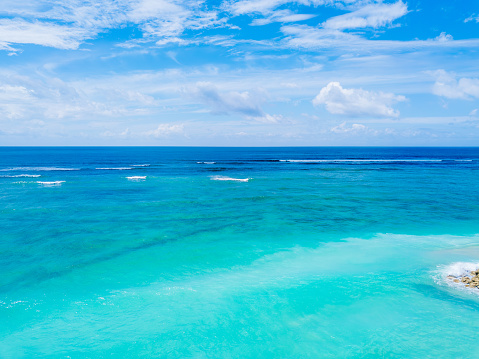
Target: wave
x=459, y=269
x=143, y=165
x=360, y=160
x=114, y=168
x=50, y=184
x=454, y=274
x=38, y=169
x=207, y=163
x=16, y=176
x=222, y=178
x=136, y=178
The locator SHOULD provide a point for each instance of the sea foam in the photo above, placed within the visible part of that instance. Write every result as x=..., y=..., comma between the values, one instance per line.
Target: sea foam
x=50, y=184
x=223, y=178
x=38, y=169
x=459, y=269
x=360, y=160
x=454, y=273
x=136, y=178
x=17, y=176
x=114, y=168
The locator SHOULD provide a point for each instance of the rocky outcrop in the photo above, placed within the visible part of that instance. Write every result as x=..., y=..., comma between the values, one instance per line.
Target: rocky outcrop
x=471, y=280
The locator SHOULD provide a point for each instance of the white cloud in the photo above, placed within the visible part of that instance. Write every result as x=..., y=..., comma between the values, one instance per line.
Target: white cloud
x=443, y=37
x=67, y=24
x=313, y=38
x=243, y=7
x=283, y=16
x=357, y=102
x=19, y=31
x=245, y=103
x=448, y=86
x=473, y=17
x=166, y=129
x=354, y=128
x=375, y=15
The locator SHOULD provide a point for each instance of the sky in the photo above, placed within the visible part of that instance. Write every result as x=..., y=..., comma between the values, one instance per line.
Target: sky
x=239, y=73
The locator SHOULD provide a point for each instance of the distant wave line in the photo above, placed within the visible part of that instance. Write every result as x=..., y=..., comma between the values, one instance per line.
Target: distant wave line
x=372, y=160
x=38, y=169
x=114, y=168
x=17, y=176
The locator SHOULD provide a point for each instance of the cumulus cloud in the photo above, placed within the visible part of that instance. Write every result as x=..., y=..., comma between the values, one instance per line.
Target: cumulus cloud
x=357, y=102
x=443, y=37
x=448, y=86
x=374, y=15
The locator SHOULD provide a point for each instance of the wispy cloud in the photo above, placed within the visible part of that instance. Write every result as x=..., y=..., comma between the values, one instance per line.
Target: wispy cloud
x=19, y=31
x=473, y=17
x=67, y=24
x=283, y=16
x=312, y=38
x=357, y=102
x=245, y=103
x=374, y=16
x=344, y=128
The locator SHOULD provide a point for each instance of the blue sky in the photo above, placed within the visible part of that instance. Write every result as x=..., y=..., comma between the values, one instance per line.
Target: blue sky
x=239, y=73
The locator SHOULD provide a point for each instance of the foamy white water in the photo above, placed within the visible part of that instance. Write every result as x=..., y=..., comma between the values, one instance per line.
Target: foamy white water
x=223, y=178
x=38, y=169
x=114, y=168
x=51, y=183
x=17, y=176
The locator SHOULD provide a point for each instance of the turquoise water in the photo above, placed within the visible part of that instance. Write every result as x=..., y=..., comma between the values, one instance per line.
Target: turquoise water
x=238, y=253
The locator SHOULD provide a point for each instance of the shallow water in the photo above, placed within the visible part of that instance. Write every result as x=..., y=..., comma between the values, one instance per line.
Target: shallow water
x=237, y=253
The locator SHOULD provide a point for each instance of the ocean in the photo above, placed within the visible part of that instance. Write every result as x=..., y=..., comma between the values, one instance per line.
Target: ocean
x=185, y=252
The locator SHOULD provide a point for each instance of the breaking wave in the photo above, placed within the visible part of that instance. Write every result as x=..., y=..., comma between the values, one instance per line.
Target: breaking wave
x=223, y=178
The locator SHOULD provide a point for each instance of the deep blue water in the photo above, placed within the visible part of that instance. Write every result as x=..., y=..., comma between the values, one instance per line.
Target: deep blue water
x=237, y=252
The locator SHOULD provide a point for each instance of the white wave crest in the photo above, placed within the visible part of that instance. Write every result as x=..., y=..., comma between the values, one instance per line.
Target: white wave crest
x=143, y=165
x=50, y=184
x=360, y=160
x=136, y=178
x=114, y=168
x=453, y=274
x=459, y=269
x=223, y=178
x=207, y=163
x=17, y=176
x=38, y=169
